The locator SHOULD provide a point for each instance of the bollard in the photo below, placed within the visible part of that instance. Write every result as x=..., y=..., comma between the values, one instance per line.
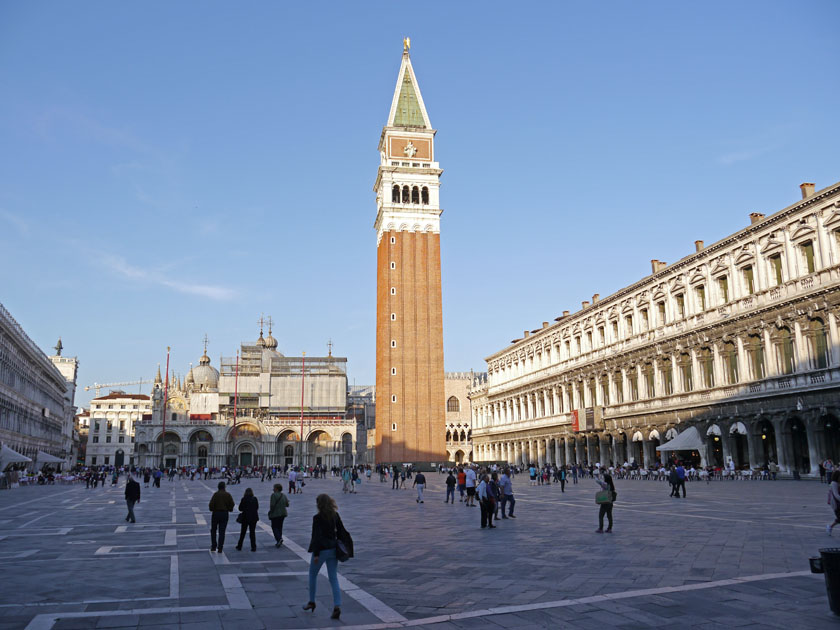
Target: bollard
x=829, y=565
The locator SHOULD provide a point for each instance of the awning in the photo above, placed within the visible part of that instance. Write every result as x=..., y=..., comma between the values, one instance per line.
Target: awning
x=8, y=456
x=688, y=440
x=46, y=458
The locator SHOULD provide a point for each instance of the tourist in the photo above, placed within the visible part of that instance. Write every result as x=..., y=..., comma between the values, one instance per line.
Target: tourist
x=469, y=484
x=506, y=489
x=345, y=479
x=395, y=478
x=494, y=494
x=462, y=483
x=249, y=508
x=574, y=474
x=277, y=513
x=132, y=496
x=221, y=505
x=327, y=530
x=419, y=483
x=487, y=508
x=562, y=475
x=680, y=479
x=450, y=488
x=532, y=473
x=834, y=499
x=607, y=506
x=292, y=480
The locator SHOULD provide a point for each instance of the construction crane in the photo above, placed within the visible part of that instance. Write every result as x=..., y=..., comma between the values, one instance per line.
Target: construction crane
x=98, y=386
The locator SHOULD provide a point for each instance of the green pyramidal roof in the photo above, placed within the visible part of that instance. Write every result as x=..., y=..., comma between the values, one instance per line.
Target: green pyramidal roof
x=408, y=112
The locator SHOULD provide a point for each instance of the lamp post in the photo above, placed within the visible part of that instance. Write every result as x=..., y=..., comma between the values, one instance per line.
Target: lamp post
x=235, y=400
x=165, y=399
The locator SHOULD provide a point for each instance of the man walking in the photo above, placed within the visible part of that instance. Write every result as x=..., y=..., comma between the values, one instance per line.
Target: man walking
x=506, y=488
x=221, y=505
x=680, y=480
x=132, y=496
x=562, y=474
x=470, y=484
x=419, y=483
x=450, y=488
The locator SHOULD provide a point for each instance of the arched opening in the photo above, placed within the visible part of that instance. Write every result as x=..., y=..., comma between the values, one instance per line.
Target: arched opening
x=768, y=442
x=318, y=449
x=246, y=439
x=395, y=194
x=738, y=437
x=730, y=362
x=424, y=196
x=755, y=350
x=286, y=441
x=415, y=195
x=799, y=442
x=199, y=446
x=453, y=404
x=638, y=448
x=784, y=351
x=347, y=449
x=119, y=458
x=170, y=445
x=653, y=438
x=459, y=457
x=463, y=436
x=405, y=194
x=448, y=435
x=715, y=445
x=831, y=428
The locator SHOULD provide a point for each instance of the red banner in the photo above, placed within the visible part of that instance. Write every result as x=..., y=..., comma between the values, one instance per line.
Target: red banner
x=575, y=421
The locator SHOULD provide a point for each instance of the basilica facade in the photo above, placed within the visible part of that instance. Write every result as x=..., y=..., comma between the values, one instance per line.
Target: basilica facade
x=260, y=408
x=731, y=353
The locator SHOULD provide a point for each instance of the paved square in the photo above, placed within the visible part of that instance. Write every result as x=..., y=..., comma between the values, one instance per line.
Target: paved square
x=733, y=554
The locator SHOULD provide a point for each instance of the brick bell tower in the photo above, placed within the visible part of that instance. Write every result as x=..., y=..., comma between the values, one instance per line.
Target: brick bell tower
x=410, y=419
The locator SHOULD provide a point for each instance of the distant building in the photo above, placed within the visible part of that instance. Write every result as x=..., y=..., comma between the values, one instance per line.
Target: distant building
x=458, y=414
x=249, y=412
x=361, y=406
x=81, y=435
x=36, y=395
x=111, y=428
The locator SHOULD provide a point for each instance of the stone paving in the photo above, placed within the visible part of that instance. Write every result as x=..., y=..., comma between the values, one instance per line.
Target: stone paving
x=731, y=555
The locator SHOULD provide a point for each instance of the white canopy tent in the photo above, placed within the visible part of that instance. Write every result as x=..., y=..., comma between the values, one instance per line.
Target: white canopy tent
x=9, y=456
x=688, y=440
x=45, y=458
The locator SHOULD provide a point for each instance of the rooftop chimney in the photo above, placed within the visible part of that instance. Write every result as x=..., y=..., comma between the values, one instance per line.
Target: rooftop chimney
x=565, y=313
x=596, y=297
x=698, y=246
x=585, y=303
x=755, y=217
x=545, y=324
x=527, y=334
x=807, y=189
x=657, y=265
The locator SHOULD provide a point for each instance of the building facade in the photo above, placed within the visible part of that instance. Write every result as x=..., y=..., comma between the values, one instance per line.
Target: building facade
x=361, y=406
x=36, y=395
x=111, y=428
x=458, y=428
x=252, y=412
x=409, y=320
x=738, y=340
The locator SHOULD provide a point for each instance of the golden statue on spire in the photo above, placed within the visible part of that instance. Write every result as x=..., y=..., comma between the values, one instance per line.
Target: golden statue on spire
x=406, y=44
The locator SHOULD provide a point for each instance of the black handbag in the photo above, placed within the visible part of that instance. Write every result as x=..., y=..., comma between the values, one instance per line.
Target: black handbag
x=342, y=545
x=240, y=518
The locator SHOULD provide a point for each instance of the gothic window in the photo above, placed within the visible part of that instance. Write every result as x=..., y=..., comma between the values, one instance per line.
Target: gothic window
x=775, y=262
x=448, y=436
x=405, y=194
x=686, y=372
x=784, y=351
x=730, y=359
x=819, y=343
x=707, y=364
x=807, y=249
x=395, y=194
x=453, y=404
x=749, y=281
x=415, y=195
x=463, y=436
x=424, y=196
x=755, y=350
x=289, y=451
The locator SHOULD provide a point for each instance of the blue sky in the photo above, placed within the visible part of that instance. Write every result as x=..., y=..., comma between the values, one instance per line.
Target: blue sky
x=174, y=169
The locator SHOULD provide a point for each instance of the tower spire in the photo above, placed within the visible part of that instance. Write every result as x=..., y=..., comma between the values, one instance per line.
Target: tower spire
x=407, y=107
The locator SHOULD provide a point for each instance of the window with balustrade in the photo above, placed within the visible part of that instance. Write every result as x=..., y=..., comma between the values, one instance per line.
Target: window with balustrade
x=707, y=366
x=818, y=343
x=686, y=372
x=755, y=351
x=784, y=351
x=730, y=361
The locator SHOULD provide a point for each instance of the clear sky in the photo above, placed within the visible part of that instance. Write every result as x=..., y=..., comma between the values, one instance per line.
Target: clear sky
x=174, y=169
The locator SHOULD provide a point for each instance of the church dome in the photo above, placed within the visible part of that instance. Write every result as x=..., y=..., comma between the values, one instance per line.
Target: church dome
x=205, y=376
x=270, y=341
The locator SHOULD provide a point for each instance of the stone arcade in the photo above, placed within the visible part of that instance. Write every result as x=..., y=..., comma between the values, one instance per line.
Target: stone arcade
x=739, y=339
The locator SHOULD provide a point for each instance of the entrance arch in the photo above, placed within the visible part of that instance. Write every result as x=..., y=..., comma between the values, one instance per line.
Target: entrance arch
x=319, y=449
x=799, y=445
x=246, y=440
x=119, y=458
x=347, y=449
x=767, y=432
x=716, y=446
x=459, y=457
x=200, y=443
x=739, y=451
x=170, y=445
x=288, y=442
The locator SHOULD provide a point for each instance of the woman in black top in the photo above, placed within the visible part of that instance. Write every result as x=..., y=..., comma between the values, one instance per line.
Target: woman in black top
x=249, y=507
x=327, y=529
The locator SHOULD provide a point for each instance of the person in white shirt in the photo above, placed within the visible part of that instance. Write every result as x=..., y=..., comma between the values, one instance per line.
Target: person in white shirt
x=470, y=485
x=292, y=480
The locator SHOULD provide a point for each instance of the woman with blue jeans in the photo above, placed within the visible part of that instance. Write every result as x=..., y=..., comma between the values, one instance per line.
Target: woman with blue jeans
x=327, y=529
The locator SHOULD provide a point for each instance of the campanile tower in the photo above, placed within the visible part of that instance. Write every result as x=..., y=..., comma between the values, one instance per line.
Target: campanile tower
x=410, y=423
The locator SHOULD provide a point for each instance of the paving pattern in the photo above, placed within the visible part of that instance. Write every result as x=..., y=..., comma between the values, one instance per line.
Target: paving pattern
x=731, y=555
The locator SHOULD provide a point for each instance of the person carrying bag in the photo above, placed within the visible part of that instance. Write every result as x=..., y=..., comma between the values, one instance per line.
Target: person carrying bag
x=330, y=543
x=605, y=499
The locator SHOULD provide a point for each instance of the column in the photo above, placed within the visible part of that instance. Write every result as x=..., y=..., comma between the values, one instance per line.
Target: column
x=813, y=445
x=752, y=436
x=784, y=444
x=605, y=451
x=556, y=400
x=541, y=452
x=558, y=453
x=646, y=457
x=567, y=444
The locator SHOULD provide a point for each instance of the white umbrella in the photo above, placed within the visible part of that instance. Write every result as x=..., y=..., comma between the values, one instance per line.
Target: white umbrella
x=9, y=456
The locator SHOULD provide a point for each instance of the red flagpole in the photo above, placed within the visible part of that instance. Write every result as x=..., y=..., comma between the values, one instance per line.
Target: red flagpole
x=302, y=377
x=165, y=398
x=235, y=401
